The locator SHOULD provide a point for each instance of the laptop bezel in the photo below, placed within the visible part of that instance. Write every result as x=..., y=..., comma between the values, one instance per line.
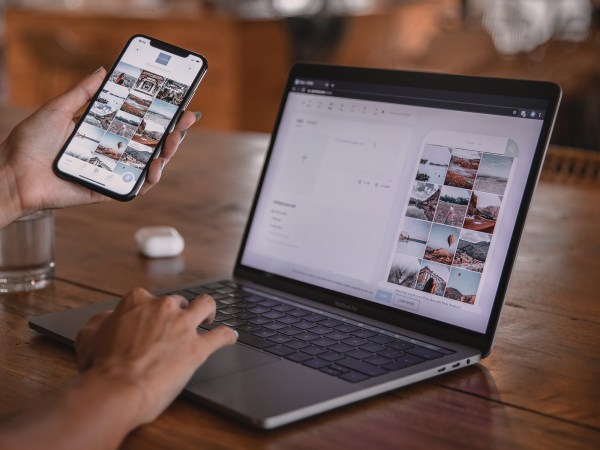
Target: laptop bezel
x=546, y=91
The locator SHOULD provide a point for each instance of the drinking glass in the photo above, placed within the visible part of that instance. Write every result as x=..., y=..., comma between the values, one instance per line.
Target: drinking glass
x=27, y=253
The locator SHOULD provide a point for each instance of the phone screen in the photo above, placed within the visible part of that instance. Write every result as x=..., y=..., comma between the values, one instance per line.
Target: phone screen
x=126, y=122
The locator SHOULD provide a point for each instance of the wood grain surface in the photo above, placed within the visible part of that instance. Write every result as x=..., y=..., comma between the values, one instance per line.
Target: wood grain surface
x=538, y=389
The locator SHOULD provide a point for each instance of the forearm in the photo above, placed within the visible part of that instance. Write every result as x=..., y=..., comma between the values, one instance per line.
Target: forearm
x=97, y=411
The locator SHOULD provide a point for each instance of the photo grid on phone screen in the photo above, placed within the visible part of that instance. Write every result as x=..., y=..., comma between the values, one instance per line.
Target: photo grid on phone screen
x=127, y=120
x=446, y=232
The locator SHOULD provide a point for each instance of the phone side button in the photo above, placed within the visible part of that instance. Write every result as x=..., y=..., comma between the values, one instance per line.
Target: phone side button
x=187, y=102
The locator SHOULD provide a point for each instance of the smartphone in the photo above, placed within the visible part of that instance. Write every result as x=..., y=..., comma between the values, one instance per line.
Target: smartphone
x=129, y=118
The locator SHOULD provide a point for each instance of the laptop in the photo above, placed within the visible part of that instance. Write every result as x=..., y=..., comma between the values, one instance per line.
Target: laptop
x=380, y=242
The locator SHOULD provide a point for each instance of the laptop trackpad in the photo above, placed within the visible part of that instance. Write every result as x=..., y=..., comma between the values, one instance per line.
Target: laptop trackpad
x=229, y=360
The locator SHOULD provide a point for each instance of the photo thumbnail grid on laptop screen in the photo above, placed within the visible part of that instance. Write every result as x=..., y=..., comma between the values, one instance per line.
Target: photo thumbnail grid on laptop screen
x=130, y=116
x=401, y=200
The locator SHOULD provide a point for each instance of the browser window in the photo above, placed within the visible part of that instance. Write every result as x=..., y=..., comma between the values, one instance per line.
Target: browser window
x=403, y=197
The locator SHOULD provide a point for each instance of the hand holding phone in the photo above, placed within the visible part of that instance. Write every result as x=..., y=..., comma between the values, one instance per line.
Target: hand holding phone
x=128, y=120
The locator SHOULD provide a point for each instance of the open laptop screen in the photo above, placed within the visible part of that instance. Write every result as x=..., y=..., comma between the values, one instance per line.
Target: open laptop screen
x=403, y=196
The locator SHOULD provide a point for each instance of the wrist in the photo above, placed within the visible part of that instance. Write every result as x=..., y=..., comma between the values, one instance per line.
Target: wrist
x=121, y=396
x=9, y=194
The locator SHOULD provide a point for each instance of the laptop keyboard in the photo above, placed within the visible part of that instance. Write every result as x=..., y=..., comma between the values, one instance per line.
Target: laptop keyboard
x=337, y=347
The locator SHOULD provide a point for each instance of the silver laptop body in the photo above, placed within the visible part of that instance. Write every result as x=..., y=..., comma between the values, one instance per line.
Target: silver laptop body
x=384, y=228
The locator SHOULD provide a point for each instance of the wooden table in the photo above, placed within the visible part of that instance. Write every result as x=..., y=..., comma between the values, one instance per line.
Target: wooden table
x=538, y=389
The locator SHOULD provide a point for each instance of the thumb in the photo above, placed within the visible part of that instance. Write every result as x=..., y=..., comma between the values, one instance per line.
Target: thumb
x=211, y=341
x=71, y=101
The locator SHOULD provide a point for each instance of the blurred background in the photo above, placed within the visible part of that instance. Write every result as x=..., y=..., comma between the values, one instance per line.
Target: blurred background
x=47, y=45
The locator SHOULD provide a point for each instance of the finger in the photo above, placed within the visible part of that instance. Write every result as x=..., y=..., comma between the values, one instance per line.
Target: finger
x=133, y=298
x=85, y=337
x=156, y=167
x=90, y=327
x=202, y=310
x=71, y=101
x=186, y=120
x=211, y=341
x=97, y=319
x=174, y=300
x=154, y=173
